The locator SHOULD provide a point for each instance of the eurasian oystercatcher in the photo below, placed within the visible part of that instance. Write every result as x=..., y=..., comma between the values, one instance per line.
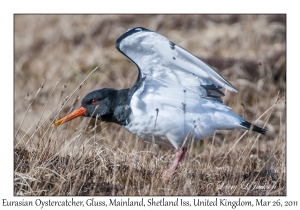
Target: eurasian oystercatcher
x=175, y=95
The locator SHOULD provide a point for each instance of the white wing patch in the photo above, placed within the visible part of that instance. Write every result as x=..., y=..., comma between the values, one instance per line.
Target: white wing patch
x=156, y=56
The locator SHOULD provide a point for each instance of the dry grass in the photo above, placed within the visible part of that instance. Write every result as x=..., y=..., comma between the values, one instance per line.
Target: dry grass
x=54, y=54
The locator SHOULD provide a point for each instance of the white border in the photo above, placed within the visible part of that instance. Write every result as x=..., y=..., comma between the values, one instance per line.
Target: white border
x=155, y=6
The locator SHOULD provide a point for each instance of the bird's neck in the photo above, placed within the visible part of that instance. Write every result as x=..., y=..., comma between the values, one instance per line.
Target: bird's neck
x=121, y=107
x=121, y=103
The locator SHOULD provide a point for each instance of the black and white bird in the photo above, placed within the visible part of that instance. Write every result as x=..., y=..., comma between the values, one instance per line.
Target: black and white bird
x=175, y=95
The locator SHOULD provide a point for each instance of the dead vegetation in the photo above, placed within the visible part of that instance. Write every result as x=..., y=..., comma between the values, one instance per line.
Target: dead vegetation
x=55, y=53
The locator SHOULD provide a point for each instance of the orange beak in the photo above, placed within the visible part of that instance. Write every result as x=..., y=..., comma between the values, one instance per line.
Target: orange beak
x=79, y=112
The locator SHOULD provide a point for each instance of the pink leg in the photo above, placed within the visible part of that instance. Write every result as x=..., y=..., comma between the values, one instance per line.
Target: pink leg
x=179, y=155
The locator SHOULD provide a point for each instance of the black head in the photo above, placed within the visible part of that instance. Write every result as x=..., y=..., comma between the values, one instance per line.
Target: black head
x=100, y=103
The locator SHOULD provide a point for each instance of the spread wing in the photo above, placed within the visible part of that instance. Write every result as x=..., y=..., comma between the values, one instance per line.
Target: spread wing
x=167, y=65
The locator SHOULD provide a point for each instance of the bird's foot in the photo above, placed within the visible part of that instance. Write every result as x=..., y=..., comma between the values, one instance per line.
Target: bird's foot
x=169, y=172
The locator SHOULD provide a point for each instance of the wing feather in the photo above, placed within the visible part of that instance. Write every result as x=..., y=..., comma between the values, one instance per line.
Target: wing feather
x=160, y=59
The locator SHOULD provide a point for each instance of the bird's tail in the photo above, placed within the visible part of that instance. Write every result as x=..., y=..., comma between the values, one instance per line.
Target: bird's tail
x=255, y=128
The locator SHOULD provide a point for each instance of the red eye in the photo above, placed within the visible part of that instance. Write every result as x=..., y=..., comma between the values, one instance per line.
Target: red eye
x=94, y=101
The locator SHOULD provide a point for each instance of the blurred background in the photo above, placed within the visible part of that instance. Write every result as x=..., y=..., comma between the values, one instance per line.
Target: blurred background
x=53, y=54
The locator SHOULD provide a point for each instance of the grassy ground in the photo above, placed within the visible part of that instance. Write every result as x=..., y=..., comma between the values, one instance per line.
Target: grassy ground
x=55, y=53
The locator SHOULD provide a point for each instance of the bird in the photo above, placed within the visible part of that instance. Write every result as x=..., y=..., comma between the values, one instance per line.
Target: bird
x=175, y=95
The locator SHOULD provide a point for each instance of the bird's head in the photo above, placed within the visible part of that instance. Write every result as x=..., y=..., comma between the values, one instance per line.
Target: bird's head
x=97, y=104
